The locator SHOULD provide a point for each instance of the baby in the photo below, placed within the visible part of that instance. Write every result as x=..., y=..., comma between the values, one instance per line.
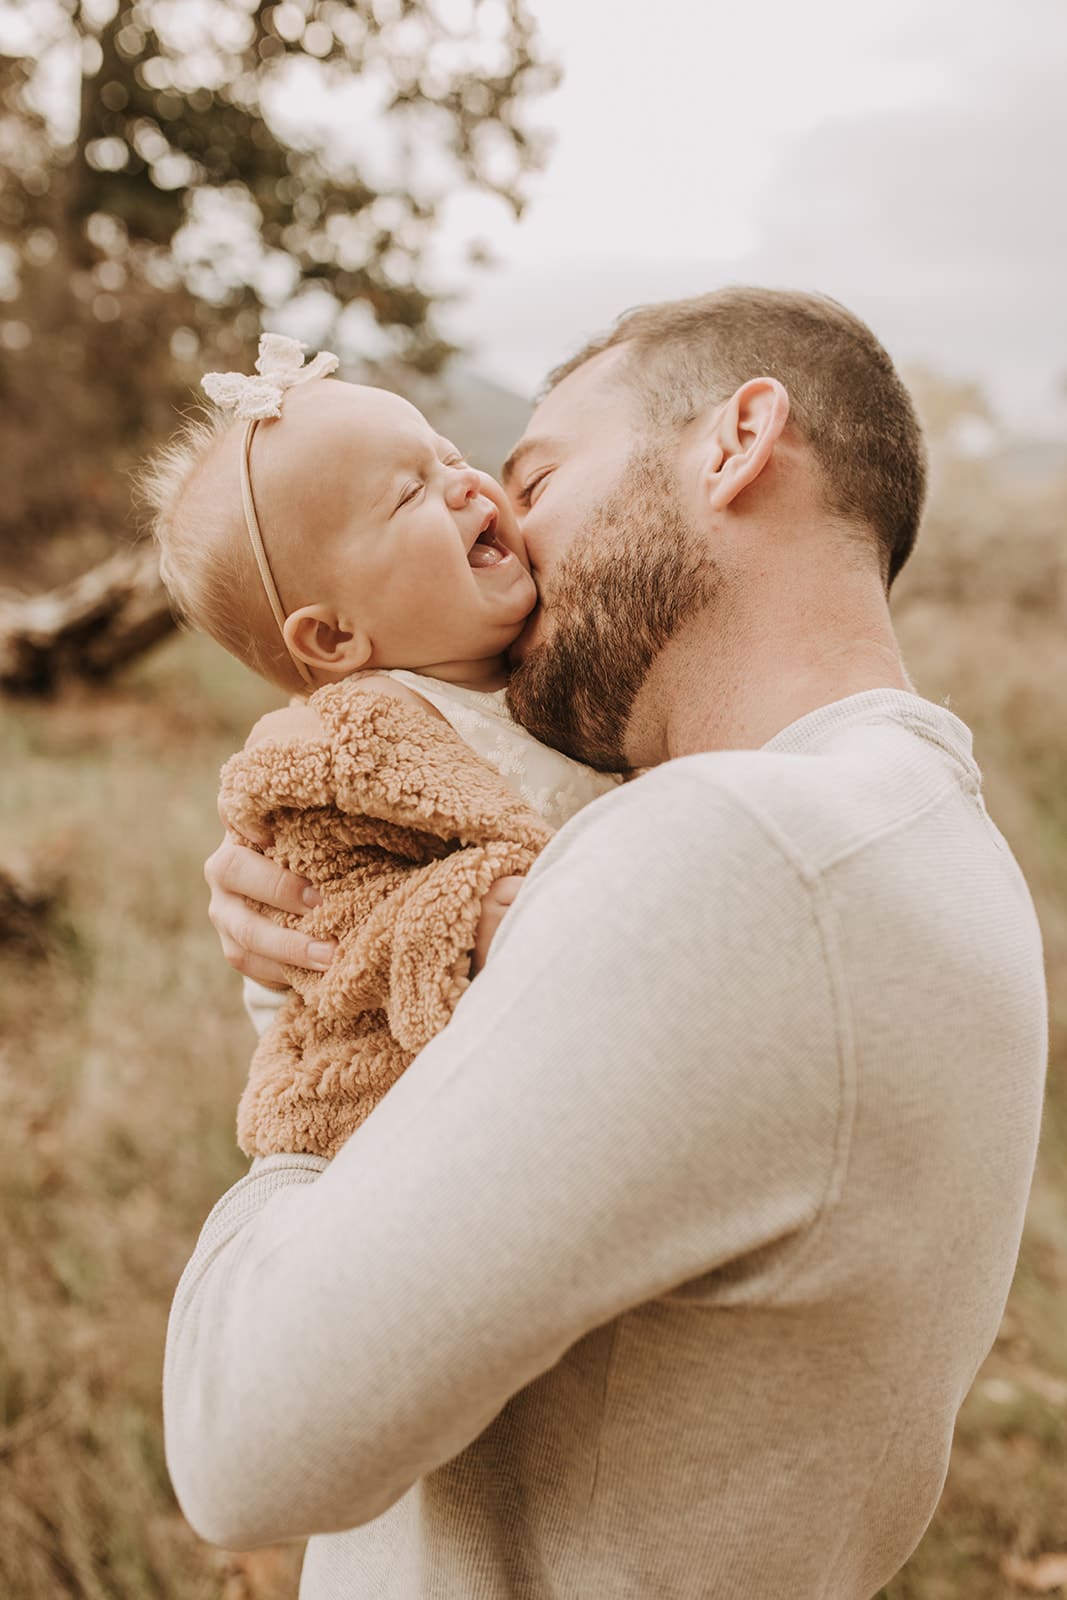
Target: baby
x=330, y=538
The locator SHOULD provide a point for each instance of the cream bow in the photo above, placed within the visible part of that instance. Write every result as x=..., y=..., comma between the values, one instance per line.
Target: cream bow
x=280, y=365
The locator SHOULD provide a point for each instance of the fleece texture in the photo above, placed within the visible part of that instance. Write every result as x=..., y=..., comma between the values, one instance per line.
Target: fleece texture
x=403, y=829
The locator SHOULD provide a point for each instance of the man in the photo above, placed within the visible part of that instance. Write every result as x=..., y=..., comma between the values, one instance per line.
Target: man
x=664, y=1270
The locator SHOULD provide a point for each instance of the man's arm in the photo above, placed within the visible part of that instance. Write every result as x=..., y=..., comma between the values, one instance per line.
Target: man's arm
x=642, y=1086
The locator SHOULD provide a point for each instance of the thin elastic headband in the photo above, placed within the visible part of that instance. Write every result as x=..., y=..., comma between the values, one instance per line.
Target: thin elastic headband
x=253, y=398
x=259, y=549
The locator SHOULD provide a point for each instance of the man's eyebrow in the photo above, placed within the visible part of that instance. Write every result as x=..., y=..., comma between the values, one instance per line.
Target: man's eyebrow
x=526, y=448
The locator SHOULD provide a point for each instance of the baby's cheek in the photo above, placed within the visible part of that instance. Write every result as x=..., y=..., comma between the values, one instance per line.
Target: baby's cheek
x=492, y=490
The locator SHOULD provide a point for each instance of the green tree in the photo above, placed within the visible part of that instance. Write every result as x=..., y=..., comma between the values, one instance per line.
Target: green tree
x=170, y=170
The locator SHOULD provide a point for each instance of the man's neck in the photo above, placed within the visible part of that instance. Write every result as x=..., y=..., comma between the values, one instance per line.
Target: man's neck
x=725, y=690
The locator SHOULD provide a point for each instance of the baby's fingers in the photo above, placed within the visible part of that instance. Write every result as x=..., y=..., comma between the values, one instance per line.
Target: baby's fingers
x=503, y=892
x=495, y=906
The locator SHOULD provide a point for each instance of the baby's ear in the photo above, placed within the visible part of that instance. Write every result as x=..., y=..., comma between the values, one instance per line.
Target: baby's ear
x=315, y=636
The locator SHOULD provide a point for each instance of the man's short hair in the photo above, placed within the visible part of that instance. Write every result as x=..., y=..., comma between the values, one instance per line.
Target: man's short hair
x=846, y=398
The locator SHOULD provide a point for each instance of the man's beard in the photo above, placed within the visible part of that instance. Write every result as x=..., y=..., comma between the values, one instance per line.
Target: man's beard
x=633, y=577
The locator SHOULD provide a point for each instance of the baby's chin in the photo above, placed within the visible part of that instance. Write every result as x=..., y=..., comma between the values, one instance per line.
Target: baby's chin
x=522, y=597
x=528, y=637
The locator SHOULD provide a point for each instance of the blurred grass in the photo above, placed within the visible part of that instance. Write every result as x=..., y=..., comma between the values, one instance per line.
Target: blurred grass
x=122, y=1055
x=1006, y=667
x=125, y=1049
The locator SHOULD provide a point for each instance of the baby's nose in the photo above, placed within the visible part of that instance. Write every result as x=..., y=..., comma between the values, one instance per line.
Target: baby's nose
x=464, y=485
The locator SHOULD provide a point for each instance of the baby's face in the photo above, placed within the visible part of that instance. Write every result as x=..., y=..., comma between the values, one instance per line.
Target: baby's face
x=364, y=505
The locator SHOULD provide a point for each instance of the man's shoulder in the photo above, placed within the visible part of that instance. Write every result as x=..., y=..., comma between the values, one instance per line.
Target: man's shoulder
x=807, y=808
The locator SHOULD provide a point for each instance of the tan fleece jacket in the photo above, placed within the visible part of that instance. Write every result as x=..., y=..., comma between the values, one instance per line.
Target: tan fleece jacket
x=403, y=829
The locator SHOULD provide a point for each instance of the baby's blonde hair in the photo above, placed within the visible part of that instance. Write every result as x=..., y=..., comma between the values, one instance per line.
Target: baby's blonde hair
x=205, y=558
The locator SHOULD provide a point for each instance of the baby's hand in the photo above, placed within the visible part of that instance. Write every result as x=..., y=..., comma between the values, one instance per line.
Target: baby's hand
x=495, y=907
x=294, y=721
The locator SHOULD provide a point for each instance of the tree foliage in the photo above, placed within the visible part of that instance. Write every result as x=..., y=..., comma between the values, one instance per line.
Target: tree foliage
x=172, y=170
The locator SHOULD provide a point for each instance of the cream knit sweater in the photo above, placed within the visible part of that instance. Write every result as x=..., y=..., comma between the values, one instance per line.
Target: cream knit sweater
x=664, y=1269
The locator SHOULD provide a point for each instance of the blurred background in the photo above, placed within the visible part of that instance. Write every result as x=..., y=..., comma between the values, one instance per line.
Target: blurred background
x=453, y=194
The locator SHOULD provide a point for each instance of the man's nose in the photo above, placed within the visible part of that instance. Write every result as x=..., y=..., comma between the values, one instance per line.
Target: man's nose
x=462, y=487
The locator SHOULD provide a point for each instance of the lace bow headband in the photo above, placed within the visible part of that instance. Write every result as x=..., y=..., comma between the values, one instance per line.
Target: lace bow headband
x=252, y=399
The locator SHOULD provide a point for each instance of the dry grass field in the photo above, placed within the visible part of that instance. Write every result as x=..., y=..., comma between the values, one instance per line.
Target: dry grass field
x=124, y=1047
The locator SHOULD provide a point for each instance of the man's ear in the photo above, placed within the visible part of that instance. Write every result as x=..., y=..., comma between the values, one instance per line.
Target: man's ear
x=316, y=636
x=739, y=439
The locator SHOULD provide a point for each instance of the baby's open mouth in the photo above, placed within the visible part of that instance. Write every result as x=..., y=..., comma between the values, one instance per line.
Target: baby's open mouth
x=487, y=550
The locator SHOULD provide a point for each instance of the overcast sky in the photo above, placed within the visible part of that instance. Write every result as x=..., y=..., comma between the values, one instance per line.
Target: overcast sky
x=907, y=156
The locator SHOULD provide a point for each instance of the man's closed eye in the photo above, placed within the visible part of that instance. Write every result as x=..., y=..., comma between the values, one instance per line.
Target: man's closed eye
x=525, y=495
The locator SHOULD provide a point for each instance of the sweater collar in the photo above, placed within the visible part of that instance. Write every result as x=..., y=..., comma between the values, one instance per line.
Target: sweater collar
x=934, y=723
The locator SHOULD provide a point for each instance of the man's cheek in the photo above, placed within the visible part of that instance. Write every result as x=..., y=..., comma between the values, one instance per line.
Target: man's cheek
x=542, y=546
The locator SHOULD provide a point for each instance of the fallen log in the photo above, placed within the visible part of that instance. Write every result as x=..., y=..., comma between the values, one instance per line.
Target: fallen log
x=88, y=628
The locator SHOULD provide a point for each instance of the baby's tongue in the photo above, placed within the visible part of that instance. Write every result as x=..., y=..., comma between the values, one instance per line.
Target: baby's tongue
x=484, y=555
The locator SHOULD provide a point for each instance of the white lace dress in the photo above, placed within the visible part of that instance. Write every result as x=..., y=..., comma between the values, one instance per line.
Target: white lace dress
x=552, y=783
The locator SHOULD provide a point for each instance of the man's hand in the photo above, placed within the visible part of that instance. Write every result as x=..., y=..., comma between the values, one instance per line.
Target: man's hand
x=253, y=944
x=495, y=907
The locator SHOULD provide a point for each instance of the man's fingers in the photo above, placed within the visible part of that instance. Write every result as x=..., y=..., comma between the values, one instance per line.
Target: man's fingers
x=235, y=869
x=268, y=973
x=251, y=942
